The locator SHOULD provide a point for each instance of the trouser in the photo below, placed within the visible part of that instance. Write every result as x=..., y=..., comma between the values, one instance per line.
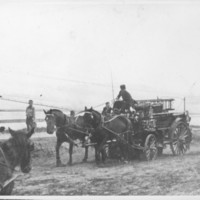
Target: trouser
x=30, y=123
x=127, y=105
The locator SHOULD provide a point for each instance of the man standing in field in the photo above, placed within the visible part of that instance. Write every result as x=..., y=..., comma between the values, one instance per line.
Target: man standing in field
x=30, y=116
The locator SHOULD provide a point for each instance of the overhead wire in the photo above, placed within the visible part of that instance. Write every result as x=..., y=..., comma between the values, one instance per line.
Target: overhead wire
x=37, y=104
x=50, y=106
x=79, y=82
x=62, y=79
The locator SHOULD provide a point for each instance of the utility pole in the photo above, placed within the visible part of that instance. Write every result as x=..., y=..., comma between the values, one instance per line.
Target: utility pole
x=113, y=96
x=184, y=106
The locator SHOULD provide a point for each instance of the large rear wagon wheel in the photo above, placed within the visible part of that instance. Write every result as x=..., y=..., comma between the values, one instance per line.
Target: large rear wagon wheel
x=151, y=150
x=180, y=137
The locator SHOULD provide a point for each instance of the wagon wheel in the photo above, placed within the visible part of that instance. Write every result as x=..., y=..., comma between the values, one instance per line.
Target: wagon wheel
x=180, y=138
x=151, y=150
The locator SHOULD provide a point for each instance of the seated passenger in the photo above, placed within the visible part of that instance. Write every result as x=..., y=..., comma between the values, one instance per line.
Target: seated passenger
x=107, y=109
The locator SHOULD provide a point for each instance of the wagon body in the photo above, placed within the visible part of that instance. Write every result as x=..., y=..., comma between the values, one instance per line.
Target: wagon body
x=155, y=125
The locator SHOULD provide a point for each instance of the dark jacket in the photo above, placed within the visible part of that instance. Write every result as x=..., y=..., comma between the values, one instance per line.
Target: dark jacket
x=106, y=110
x=126, y=97
x=30, y=112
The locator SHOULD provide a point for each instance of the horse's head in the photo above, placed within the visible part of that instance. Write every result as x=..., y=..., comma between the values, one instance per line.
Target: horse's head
x=92, y=117
x=54, y=118
x=19, y=148
x=88, y=117
x=51, y=121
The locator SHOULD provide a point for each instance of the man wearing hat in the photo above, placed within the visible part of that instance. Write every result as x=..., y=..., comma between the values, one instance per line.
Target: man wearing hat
x=107, y=109
x=30, y=116
x=127, y=99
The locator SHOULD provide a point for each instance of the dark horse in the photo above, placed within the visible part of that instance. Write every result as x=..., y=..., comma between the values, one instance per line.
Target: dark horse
x=66, y=131
x=108, y=128
x=15, y=151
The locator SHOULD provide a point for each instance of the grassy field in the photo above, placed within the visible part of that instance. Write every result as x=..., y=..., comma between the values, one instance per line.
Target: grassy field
x=168, y=175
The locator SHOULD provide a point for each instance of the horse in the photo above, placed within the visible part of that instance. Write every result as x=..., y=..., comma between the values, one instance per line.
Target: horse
x=66, y=131
x=108, y=128
x=16, y=151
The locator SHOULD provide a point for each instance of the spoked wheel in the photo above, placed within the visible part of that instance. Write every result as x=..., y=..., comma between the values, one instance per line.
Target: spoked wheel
x=151, y=150
x=180, y=137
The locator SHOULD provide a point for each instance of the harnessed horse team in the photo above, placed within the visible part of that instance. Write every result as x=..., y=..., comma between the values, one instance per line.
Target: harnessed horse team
x=92, y=129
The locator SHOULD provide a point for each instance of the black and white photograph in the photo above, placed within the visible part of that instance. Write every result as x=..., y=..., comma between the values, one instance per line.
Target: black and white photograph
x=99, y=98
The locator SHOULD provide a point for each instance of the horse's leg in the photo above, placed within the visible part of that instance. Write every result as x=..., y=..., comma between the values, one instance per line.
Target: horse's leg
x=124, y=152
x=97, y=157
x=58, y=161
x=103, y=155
x=97, y=154
x=128, y=147
x=86, y=154
x=100, y=149
x=70, y=153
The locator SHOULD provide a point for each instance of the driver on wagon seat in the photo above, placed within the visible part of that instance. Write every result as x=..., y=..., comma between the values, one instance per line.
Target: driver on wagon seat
x=128, y=101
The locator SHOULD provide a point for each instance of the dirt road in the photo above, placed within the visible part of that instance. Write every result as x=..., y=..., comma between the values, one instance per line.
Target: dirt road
x=168, y=175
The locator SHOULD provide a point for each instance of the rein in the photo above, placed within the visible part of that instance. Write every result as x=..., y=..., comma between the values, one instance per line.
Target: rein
x=120, y=138
x=70, y=139
x=74, y=129
x=108, y=120
x=102, y=124
x=113, y=131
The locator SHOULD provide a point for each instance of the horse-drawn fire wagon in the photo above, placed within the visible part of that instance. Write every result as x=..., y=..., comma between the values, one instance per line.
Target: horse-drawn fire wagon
x=154, y=126
x=146, y=131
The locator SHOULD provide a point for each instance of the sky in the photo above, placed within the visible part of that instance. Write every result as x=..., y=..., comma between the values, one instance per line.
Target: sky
x=69, y=53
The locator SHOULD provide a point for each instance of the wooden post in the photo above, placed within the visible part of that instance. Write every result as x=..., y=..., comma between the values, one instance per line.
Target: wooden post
x=184, y=104
x=113, y=96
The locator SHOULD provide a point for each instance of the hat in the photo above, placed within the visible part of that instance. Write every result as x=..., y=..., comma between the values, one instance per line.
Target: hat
x=123, y=86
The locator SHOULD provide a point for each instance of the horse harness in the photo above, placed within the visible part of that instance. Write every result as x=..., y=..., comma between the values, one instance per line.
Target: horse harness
x=119, y=136
x=105, y=122
x=86, y=133
x=2, y=186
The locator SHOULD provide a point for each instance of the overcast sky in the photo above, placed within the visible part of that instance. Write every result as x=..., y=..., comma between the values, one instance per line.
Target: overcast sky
x=67, y=51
